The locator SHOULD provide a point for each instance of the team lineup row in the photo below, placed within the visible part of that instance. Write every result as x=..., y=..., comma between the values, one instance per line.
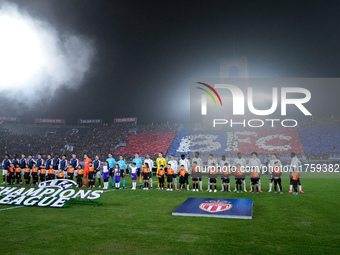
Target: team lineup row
x=62, y=168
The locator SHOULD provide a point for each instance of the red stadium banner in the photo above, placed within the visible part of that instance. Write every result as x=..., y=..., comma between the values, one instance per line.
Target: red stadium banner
x=147, y=142
x=49, y=121
x=123, y=120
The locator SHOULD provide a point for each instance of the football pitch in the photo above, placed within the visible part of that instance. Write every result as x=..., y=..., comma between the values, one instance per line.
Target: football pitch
x=140, y=222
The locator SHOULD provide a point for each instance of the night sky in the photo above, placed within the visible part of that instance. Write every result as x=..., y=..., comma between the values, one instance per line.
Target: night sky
x=147, y=51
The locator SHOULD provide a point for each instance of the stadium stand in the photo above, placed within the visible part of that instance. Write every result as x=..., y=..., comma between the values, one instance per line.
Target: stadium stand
x=319, y=122
x=101, y=139
x=180, y=144
x=317, y=139
x=263, y=141
x=320, y=142
x=147, y=142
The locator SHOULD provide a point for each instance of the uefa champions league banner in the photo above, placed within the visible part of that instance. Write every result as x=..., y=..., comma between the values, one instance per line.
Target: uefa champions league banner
x=54, y=193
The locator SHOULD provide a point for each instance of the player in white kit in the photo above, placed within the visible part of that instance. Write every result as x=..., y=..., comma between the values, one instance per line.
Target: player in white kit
x=254, y=162
x=199, y=163
x=295, y=164
x=174, y=167
x=242, y=162
x=186, y=163
x=211, y=160
x=271, y=165
x=221, y=165
x=149, y=161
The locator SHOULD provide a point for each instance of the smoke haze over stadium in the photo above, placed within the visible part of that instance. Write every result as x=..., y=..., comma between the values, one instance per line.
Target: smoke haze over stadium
x=108, y=59
x=37, y=60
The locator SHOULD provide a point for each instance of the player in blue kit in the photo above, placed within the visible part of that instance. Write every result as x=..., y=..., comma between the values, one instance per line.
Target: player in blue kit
x=122, y=167
x=75, y=163
x=55, y=163
x=31, y=161
x=16, y=160
x=63, y=166
x=23, y=162
x=111, y=162
x=6, y=163
x=138, y=163
x=40, y=161
x=97, y=164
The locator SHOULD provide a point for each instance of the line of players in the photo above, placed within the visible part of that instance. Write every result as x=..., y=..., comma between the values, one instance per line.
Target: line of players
x=16, y=170
x=274, y=169
x=62, y=168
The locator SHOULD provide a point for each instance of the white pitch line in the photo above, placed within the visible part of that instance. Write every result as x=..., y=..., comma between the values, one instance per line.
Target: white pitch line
x=4, y=209
x=109, y=190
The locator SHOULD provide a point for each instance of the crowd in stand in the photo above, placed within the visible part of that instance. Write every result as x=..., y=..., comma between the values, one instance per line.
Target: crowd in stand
x=319, y=122
x=320, y=142
x=12, y=143
x=320, y=138
x=146, y=143
x=100, y=139
x=166, y=127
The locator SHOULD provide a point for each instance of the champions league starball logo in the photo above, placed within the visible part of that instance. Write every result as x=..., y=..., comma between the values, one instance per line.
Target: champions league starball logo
x=57, y=183
x=53, y=193
x=214, y=206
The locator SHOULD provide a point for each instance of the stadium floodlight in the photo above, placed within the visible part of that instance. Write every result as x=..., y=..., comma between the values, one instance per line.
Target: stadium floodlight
x=36, y=59
x=21, y=54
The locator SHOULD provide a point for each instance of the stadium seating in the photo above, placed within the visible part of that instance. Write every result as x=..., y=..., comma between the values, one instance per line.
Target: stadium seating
x=314, y=139
x=100, y=139
x=320, y=140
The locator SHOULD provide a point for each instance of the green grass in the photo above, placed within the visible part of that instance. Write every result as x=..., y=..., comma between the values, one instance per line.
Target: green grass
x=140, y=222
